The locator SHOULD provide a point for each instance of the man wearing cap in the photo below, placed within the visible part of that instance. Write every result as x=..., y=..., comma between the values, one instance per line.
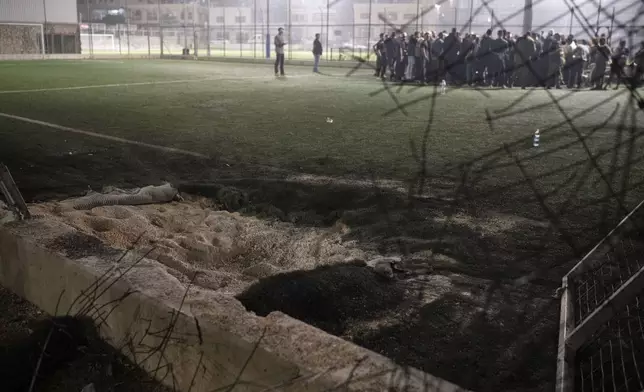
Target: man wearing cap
x=279, y=51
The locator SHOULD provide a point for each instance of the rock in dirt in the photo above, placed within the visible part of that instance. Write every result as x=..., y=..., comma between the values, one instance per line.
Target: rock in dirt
x=383, y=266
x=88, y=388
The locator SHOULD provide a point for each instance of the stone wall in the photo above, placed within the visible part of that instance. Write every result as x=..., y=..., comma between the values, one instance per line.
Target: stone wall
x=20, y=39
x=26, y=39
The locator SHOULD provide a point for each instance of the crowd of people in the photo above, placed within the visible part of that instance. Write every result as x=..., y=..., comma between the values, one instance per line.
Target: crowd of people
x=547, y=60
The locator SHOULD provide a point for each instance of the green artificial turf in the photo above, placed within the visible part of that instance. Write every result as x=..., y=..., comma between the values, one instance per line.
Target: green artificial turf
x=241, y=113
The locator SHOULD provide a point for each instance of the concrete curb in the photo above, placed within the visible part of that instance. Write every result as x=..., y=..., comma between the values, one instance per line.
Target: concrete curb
x=213, y=342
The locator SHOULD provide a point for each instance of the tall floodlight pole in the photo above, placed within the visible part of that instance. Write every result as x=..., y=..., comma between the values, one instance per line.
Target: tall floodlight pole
x=195, y=37
x=599, y=11
x=422, y=16
x=290, y=35
x=610, y=32
x=268, y=29
x=127, y=24
x=456, y=14
x=91, y=32
x=185, y=26
x=44, y=13
x=208, y=29
x=384, y=20
x=572, y=15
x=161, y=43
x=321, y=21
x=417, y=13
x=471, y=15
x=239, y=17
x=369, y=32
x=328, y=7
x=254, y=28
x=527, y=16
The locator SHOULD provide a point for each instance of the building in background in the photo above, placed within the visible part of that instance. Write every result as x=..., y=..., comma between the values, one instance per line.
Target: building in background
x=30, y=27
x=144, y=12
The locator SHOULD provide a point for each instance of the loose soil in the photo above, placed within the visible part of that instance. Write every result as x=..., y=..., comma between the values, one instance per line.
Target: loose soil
x=474, y=312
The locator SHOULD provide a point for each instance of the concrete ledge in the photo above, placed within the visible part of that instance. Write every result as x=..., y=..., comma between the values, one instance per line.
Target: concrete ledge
x=5, y=57
x=206, y=340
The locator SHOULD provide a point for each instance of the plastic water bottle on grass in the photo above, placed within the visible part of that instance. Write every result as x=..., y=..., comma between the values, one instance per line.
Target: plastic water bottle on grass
x=536, y=138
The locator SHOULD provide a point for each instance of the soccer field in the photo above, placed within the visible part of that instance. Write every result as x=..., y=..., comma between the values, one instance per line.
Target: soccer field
x=309, y=142
x=241, y=114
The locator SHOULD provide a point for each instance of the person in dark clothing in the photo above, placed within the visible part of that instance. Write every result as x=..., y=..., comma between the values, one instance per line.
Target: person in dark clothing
x=639, y=66
x=438, y=64
x=411, y=57
x=390, y=51
x=381, y=56
x=536, y=76
x=425, y=48
x=525, y=49
x=550, y=46
x=468, y=52
x=279, y=43
x=450, y=52
x=576, y=66
x=555, y=62
x=499, y=47
x=508, y=70
x=317, y=53
x=618, y=61
x=601, y=55
x=419, y=69
x=401, y=63
x=485, y=59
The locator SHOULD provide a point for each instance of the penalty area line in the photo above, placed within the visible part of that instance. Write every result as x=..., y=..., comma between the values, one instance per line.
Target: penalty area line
x=104, y=137
x=38, y=90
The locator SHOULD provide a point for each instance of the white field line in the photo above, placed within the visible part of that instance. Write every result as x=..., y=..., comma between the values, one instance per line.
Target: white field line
x=105, y=137
x=138, y=84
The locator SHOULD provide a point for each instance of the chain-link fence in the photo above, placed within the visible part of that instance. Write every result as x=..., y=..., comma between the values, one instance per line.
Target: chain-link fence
x=197, y=27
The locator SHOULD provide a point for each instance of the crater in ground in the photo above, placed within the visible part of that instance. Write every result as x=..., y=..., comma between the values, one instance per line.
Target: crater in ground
x=466, y=306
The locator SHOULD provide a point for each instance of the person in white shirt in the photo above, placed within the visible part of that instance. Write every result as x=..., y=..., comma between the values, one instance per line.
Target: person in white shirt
x=279, y=51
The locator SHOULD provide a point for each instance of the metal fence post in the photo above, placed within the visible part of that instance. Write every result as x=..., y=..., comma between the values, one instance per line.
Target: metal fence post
x=239, y=17
x=224, y=32
x=290, y=34
x=208, y=29
x=127, y=23
x=268, y=29
x=149, y=48
x=255, y=29
x=328, y=6
x=161, y=43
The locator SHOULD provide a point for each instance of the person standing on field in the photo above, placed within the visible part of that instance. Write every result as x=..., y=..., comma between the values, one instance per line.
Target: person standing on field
x=279, y=51
x=317, y=53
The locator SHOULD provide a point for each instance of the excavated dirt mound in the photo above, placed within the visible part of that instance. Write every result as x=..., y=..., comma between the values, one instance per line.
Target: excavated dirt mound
x=230, y=251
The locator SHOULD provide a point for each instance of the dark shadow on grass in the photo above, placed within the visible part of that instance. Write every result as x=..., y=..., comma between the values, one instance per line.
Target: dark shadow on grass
x=456, y=339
